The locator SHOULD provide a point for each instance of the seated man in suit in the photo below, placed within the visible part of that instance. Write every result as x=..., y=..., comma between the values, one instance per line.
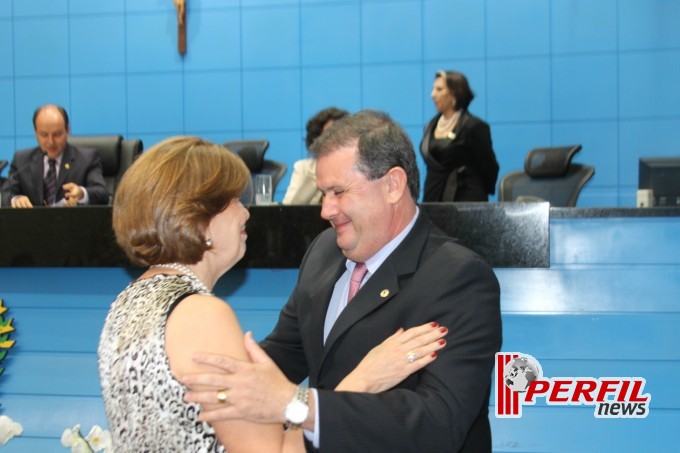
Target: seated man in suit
x=54, y=173
x=381, y=266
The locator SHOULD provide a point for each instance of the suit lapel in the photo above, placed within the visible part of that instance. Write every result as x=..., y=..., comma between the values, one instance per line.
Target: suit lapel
x=321, y=295
x=425, y=146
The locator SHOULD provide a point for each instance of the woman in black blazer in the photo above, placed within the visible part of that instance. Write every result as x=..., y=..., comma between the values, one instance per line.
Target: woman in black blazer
x=456, y=146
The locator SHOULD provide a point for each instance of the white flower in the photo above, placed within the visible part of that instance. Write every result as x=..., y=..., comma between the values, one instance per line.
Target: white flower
x=99, y=439
x=8, y=429
x=72, y=438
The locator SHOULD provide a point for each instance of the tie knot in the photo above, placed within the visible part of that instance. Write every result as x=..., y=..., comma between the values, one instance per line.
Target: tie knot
x=52, y=162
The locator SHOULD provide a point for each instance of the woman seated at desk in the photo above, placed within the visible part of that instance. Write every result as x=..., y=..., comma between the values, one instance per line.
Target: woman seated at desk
x=302, y=188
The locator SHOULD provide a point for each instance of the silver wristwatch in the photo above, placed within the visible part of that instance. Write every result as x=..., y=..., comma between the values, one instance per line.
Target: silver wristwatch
x=297, y=410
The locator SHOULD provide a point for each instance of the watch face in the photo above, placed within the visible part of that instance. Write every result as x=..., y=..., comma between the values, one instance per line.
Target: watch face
x=297, y=412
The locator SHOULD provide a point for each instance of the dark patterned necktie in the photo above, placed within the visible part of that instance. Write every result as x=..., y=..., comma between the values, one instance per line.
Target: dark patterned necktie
x=51, y=183
x=358, y=275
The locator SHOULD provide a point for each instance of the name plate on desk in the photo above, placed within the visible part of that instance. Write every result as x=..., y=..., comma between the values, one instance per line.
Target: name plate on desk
x=505, y=234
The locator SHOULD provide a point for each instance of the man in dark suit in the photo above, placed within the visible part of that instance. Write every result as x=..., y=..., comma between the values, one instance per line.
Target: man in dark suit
x=366, y=169
x=55, y=173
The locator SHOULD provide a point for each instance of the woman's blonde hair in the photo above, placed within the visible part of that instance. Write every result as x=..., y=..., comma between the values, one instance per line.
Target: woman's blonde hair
x=167, y=198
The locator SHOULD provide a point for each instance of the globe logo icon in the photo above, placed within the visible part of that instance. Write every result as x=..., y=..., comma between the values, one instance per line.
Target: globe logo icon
x=520, y=372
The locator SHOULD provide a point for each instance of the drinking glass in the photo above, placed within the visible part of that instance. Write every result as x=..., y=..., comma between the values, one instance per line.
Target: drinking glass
x=263, y=190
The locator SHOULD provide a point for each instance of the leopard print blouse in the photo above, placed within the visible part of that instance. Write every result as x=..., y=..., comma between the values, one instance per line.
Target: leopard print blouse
x=143, y=400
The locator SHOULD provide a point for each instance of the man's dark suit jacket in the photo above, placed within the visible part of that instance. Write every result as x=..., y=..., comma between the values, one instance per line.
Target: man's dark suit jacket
x=429, y=277
x=82, y=166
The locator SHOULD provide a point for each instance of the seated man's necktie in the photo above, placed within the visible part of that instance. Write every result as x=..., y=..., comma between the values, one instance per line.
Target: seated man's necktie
x=51, y=183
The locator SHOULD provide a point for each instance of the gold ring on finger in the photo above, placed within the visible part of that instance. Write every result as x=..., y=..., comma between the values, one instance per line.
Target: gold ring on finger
x=222, y=397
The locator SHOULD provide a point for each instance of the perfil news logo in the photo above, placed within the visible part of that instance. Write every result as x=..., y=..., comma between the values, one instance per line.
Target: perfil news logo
x=520, y=381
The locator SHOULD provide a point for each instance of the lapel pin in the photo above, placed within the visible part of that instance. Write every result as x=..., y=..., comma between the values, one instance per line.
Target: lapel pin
x=67, y=166
x=384, y=293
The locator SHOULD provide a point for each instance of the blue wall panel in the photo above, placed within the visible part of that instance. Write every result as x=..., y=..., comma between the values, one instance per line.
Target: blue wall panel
x=633, y=242
x=32, y=56
x=90, y=7
x=271, y=98
x=316, y=95
x=214, y=40
x=97, y=45
x=649, y=24
x=148, y=5
x=7, y=108
x=155, y=103
x=531, y=63
x=583, y=26
x=518, y=32
x=453, y=29
x=519, y=90
x=212, y=102
x=648, y=84
x=28, y=371
x=391, y=32
x=89, y=94
x=151, y=43
x=24, y=8
x=260, y=48
x=586, y=93
x=396, y=94
x=6, y=49
x=559, y=429
x=330, y=35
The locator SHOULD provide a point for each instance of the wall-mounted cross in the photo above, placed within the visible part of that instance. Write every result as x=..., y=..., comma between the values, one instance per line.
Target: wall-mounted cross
x=181, y=26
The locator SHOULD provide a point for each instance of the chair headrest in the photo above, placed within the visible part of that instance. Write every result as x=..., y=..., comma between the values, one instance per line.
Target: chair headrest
x=108, y=147
x=251, y=151
x=549, y=162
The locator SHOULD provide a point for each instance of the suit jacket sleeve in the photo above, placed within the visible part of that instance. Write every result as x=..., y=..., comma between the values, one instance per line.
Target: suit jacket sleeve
x=11, y=187
x=93, y=178
x=20, y=178
x=485, y=159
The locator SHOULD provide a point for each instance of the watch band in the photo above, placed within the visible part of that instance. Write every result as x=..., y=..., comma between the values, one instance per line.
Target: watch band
x=297, y=410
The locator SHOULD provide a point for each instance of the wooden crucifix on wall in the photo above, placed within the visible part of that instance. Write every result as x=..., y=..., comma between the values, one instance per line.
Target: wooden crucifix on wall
x=181, y=26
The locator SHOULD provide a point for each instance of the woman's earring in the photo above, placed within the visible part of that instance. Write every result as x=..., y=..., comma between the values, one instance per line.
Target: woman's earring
x=209, y=242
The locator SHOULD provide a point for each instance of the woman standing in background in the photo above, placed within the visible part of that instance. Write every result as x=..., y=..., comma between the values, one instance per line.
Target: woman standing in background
x=456, y=146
